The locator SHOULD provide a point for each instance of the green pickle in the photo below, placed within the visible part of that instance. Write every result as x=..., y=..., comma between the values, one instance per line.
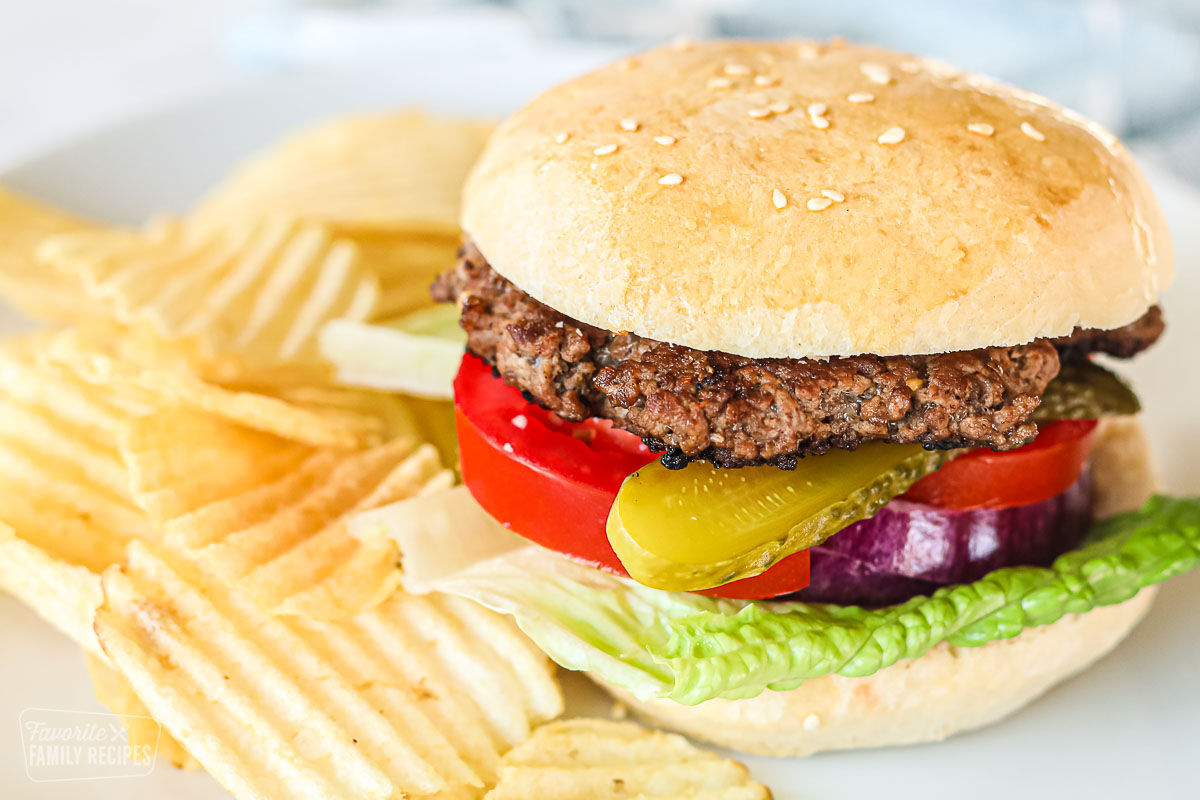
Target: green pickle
x=701, y=527
x=1085, y=390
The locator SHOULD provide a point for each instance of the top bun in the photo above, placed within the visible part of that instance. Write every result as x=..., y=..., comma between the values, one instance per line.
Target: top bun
x=923, y=210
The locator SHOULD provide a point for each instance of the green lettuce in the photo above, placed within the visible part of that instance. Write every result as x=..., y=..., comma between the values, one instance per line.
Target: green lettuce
x=417, y=353
x=692, y=648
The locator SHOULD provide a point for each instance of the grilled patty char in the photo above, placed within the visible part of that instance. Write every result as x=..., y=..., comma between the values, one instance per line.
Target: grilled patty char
x=1123, y=342
x=737, y=411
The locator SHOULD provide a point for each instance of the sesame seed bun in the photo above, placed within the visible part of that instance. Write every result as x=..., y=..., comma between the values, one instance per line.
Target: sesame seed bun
x=792, y=200
x=949, y=689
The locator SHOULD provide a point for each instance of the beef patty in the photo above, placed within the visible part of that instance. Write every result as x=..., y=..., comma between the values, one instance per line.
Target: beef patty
x=737, y=411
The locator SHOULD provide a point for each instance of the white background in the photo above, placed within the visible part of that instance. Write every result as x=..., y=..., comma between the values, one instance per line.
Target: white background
x=67, y=65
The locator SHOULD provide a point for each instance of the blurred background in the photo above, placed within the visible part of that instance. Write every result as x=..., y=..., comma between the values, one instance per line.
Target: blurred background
x=74, y=64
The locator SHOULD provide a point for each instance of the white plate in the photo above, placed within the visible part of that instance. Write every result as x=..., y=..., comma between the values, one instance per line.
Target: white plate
x=1130, y=727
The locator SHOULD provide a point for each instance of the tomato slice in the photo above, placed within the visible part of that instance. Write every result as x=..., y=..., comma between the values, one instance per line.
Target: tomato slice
x=554, y=481
x=1046, y=467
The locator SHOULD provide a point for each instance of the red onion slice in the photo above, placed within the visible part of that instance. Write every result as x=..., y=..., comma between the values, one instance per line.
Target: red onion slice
x=911, y=548
x=835, y=579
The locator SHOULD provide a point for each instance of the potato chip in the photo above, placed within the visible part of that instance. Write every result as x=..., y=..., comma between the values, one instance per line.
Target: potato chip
x=395, y=172
x=66, y=498
x=404, y=257
x=141, y=730
x=64, y=594
x=58, y=438
x=65, y=509
x=268, y=515
x=337, y=419
x=417, y=697
x=435, y=424
x=590, y=759
x=27, y=284
x=259, y=290
x=405, y=265
x=139, y=344
x=386, y=416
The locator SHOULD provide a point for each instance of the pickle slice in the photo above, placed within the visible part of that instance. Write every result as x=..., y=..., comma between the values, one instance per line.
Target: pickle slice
x=1085, y=390
x=701, y=527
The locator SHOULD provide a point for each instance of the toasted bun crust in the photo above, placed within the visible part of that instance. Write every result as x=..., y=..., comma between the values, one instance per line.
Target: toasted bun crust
x=949, y=689
x=947, y=240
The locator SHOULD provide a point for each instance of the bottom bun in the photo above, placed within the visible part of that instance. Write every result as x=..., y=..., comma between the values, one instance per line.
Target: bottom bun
x=949, y=689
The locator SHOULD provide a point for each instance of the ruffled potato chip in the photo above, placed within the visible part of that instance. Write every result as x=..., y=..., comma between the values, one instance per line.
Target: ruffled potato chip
x=318, y=416
x=27, y=284
x=143, y=732
x=405, y=265
x=258, y=291
x=370, y=173
x=65, y=510
x=418, y=697
x=595, y=759
x=269, y=516
x=64, y=594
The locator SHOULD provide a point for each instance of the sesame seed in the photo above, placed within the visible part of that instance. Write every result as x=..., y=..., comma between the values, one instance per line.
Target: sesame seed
x=816, y=116
x=520, y=421
x=809, y=51
x=982, y=128
x=765, y=80
x=665, y=140
x=876, y=73
x=834, y=195
x=671, y=179
x=629, y=125
x=812, y=722
x=1032, y=132
x=860, y=97
x=737, y=69
x=719, y=83
x=759, y=113
x=508, y=448
x=778, y=198
x=782, y=107
x=819, y=203
x=606, y=150
x=891, y=136
x=562, y=136
x=911, y=67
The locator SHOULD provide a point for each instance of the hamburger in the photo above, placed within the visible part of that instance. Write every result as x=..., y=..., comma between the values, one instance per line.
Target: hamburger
x=787, y=411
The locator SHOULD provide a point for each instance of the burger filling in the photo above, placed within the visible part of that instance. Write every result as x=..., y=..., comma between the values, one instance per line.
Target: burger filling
x=734, y=411
x=932, y=469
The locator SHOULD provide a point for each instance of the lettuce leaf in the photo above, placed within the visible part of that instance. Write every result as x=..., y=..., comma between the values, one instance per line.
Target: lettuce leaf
x=417, y=353
x=692, y=648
